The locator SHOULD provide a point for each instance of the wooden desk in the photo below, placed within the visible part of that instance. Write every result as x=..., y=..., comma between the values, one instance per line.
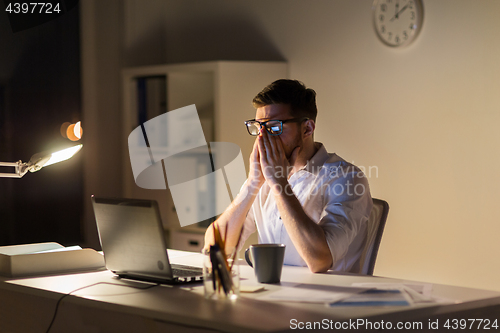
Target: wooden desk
x=106, y=304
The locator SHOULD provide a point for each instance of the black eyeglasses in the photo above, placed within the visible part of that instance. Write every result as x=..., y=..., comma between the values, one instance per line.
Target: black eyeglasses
x=273, y=127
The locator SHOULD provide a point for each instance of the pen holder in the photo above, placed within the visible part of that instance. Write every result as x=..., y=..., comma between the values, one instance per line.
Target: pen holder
x=221, y=274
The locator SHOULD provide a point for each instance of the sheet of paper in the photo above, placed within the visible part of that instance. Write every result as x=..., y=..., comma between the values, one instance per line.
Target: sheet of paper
x=13, y=250
x=251, y=289
x=304, y=295
x=418, y=292
x=376, y=297
x=69, y=248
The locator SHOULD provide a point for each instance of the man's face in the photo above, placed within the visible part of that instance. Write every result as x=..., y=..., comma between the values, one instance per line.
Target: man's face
x=291, y=136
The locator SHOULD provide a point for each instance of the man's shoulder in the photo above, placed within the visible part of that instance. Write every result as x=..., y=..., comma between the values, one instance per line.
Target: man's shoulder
x=336, y=167
x=335, y=160
x=329, y=164
x=327, y=159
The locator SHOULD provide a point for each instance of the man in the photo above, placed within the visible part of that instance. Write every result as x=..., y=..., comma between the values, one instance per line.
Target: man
x=296, y=193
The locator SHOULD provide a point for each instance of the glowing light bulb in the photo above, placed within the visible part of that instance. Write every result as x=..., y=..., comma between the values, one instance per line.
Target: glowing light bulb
x=63, y=155
x=78, y=130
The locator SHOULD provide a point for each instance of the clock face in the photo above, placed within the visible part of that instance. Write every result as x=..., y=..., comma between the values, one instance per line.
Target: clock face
x=397, y=22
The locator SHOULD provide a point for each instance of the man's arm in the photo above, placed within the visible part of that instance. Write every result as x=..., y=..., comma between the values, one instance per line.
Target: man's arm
x=307, y=236
x=230, y=223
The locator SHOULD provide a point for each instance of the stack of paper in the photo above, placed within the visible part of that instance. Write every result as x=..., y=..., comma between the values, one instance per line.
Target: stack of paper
x=307, y=293
x=47, y=258
x=389, y=294
x=376, y=297
x=359, y=294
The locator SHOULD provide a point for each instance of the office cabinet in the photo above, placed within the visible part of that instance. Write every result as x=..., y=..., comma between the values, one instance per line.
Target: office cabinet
x=222, y=92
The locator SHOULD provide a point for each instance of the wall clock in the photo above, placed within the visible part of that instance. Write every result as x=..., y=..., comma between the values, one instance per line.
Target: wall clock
x=397, y=22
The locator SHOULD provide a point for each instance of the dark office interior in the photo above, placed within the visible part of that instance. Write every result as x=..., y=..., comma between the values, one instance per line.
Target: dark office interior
x=39, y=91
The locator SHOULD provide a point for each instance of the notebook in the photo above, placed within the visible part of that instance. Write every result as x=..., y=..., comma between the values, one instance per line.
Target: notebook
x=133, y=243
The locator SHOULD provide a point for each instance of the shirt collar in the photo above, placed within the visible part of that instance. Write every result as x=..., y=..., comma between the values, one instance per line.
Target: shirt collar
x=316, y=162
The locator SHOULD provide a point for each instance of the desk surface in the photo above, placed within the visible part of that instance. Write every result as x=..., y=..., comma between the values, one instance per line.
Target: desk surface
x=100, y=302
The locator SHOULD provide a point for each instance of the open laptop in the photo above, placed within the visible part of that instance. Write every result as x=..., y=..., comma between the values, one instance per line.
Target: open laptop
x=133, y=243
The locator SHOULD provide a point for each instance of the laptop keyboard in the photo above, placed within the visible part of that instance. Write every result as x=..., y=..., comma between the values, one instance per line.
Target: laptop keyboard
x=186, y=271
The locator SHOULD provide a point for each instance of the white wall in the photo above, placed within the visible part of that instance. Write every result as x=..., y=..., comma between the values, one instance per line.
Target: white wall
x=425, y=117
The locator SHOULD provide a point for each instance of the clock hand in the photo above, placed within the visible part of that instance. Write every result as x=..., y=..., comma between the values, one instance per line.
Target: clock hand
x=403, y=9
x=397, y=7
x=397, y=14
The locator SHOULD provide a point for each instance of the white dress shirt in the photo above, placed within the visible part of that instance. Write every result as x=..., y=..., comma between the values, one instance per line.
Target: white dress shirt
x=333, y=193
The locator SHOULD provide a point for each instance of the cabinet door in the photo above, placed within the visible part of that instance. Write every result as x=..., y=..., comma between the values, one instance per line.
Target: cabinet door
x=150, y=97
x=186, y=241
x=222, y=92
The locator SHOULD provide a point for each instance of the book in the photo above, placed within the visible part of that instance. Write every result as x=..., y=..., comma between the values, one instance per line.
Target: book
x=47, y=258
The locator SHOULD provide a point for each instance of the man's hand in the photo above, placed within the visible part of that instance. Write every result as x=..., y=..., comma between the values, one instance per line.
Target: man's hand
x=255, y=176
x=307, y=236
x=273, y=160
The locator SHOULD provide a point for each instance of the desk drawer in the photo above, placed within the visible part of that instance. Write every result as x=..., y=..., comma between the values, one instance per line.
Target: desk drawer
x=186, y=241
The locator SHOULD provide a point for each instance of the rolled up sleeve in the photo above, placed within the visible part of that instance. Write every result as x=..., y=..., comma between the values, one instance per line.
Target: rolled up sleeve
x=347, y=206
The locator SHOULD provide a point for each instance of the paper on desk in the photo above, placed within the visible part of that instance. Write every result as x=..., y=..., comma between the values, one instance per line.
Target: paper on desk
x=418, y=292
x=68, y=248
x=306, y=295
x=46, y=258
x=14, y=250
x=249, y=286
x=251, y=289
x=376, y=297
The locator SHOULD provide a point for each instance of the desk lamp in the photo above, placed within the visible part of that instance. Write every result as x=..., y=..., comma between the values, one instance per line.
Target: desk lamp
x=39, y=161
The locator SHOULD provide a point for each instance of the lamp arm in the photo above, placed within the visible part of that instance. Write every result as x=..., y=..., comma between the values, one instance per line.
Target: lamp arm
x=20, y=169
x=38, y=161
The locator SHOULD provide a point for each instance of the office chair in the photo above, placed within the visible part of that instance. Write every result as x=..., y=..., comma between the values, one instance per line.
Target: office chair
x=375, y=229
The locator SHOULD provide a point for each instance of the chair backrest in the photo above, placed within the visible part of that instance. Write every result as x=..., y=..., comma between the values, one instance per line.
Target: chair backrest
x=375, y=229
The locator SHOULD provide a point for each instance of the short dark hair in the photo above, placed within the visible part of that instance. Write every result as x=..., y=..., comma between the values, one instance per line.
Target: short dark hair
x=302, y=100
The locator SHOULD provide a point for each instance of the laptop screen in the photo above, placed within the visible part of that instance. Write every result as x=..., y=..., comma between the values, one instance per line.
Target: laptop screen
x=132, y=237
